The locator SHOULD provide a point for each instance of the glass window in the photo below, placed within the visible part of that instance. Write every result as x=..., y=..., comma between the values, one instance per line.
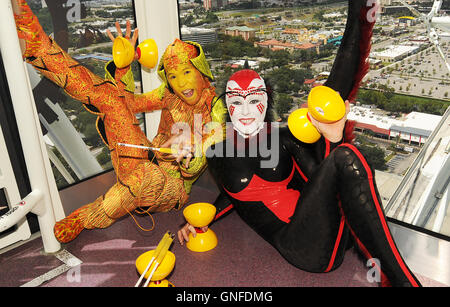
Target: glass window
x=293, y=44
x=74, y=146
x=422, y=198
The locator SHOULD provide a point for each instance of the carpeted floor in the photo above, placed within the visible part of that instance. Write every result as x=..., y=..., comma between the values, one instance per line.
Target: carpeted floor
x=241, y=259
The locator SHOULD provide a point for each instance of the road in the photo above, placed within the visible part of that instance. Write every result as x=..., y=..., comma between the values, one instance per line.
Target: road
x=92, y=47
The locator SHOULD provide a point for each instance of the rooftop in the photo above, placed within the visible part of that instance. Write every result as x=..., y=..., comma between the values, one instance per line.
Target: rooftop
x=394, y=51
x=415, y=122
x=241, y=28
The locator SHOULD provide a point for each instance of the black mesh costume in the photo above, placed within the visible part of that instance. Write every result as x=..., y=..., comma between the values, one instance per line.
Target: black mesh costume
x=317, y=195
x=308, y=204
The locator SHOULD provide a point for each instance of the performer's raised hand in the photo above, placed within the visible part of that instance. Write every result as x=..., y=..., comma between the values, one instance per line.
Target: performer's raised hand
x=17, y=11
x=132, y=39
x=16, y=6
x=332, y=131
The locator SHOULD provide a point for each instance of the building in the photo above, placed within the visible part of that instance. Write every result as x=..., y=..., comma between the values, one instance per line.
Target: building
x=310, y=82
x=241, y=64
x=323, y=75
x=414, y=128
x=335, y=40
x=375, y=64
x=290, y=33
x=394, y=53
x=244, y=31
x=333, y=15
x=396, y=9
x=274, y=44
x=199, y=35
x=368, y=120
x=207, y=4
x=213, y=4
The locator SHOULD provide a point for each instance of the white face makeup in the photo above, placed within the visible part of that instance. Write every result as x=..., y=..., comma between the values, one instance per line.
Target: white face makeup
x=247, y=104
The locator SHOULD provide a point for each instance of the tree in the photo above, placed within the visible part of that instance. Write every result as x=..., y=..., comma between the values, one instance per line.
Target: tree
x=374, y=156
x=283, y=103
x=104, y=157
x=211, y=17
x=280, y=58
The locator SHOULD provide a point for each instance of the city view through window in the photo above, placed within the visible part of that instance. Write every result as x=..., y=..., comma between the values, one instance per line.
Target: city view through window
x=292, y=44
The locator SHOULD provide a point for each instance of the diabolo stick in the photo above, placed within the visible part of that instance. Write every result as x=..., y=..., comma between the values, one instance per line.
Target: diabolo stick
x=158, y=249
x=160, y=257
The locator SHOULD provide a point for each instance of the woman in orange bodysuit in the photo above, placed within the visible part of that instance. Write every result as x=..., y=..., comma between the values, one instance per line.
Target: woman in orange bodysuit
x=144, y=178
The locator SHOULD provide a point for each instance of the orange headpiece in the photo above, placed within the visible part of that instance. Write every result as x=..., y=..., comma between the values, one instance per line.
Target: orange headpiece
x=178, y=53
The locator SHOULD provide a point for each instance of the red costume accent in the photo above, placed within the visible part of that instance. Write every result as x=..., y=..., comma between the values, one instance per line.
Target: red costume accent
x=274, y=195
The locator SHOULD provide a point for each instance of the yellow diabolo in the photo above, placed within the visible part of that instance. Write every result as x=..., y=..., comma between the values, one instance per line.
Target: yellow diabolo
x=123, y=52
x=200, y=215
x=301, y=127
x=325, y=105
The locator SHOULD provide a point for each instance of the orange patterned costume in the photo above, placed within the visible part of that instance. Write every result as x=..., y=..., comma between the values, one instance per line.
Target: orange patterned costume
x=160, y=186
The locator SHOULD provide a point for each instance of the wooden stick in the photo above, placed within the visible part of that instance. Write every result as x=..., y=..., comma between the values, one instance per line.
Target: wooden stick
x=158, y=249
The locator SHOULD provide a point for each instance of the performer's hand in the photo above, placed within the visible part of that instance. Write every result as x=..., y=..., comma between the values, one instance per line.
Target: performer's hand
x=334, y=131
x=182, y=144
x=183, y=233
x=132, y=39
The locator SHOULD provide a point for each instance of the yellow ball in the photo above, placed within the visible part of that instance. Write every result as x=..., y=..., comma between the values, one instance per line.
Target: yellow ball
x=301, y=127
x=123, y=52
x=325, y=104
x=148, y=53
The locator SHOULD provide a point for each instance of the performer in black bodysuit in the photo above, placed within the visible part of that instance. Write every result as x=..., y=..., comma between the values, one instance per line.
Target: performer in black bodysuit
x=314, y=196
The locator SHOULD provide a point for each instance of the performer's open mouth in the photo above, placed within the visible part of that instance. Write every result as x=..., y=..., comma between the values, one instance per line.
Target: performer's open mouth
x=246, y=121
x=188, y=93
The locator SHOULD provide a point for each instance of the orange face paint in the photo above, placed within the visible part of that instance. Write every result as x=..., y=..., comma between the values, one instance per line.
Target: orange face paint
x=186, y=81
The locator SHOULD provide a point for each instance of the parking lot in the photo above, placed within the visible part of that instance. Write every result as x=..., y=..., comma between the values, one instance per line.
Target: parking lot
x=400, y=163
x=423, y=74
